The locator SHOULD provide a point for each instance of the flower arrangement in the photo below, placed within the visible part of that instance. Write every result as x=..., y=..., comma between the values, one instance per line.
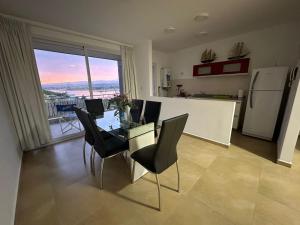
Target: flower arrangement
x=121, y=102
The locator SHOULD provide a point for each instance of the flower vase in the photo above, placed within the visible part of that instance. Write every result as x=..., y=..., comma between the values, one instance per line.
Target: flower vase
x=122, y=115
x=127, y=113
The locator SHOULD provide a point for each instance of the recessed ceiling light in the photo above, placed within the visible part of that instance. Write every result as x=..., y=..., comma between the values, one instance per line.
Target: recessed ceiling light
x=201, y=33
x=170, y=30
x=201, y=17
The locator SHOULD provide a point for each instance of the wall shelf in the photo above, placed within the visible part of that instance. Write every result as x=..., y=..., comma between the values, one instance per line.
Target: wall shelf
x=221, y=75
x=225, y=68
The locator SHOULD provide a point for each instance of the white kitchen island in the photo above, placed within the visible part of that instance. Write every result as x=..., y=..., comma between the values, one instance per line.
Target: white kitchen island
x=210, y=119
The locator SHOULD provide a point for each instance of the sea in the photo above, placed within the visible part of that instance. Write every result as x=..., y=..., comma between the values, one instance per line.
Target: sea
x=103, y=89
x=106, y=93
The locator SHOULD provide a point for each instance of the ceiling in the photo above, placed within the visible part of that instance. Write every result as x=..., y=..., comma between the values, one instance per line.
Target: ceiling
x=131, y=20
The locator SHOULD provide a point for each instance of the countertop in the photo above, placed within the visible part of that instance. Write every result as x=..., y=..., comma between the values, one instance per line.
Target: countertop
x=212, y=98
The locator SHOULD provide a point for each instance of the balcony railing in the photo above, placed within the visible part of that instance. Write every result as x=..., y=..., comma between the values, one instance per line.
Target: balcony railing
x=53, y=101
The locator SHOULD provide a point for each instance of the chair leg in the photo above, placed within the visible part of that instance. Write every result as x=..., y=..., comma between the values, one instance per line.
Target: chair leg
x=101, y=173
x=178, y=177
x=132, y=172
x=83, y=152
x=158, y=189
x=62, y=131
x=94, y=168
x=65, y=128
x=79, y=125
x=91, y=159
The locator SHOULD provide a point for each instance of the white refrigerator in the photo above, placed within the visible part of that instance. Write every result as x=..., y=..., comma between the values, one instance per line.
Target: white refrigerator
x=264, y=100
x=291, y=120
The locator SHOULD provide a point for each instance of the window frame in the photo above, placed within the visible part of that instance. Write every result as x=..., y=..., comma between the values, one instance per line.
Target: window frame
x=82, y=50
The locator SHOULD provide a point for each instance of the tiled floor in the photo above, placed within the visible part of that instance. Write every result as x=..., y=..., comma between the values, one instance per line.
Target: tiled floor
x=240, y=185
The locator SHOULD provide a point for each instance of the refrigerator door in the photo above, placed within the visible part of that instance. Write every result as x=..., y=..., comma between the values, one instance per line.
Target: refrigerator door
x=269, y=79
x=290, y=125
x=261, y=113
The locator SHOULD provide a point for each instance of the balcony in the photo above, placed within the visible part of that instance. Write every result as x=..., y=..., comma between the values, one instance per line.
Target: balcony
x=60, y=122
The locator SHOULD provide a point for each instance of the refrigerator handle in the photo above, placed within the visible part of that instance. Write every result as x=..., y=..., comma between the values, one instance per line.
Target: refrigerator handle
x=293, y=75
x=252, y=87
x=251, y=99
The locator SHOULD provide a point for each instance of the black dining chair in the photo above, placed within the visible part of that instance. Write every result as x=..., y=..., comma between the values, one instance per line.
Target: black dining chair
x=88, y=137
x=151, y=113
x=106, y=148
x=136, y=110
x=94, y=107
x=158, y=157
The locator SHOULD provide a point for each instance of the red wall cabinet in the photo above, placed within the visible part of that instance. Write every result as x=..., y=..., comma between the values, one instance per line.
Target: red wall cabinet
x=222, y=68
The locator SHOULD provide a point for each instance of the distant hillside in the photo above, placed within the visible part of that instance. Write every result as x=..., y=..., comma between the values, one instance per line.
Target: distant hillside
x=83, y=85
x=46, y=92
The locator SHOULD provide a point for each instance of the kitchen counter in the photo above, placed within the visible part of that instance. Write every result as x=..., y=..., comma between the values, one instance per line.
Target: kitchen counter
x=210, y=119
x=212, y=98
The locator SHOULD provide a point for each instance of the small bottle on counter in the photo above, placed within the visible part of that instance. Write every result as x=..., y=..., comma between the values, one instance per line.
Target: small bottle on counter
x=240, y=94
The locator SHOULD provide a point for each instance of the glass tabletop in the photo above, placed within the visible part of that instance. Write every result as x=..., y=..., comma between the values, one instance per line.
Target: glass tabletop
x=122, y=128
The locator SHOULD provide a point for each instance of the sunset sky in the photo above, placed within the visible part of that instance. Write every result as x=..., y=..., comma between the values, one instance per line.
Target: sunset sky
x=59, y=67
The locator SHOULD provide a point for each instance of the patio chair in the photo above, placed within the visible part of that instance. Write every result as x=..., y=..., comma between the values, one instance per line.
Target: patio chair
x=67, y=117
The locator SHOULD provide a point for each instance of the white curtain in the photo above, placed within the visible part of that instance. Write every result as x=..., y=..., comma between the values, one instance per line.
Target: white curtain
x=129, y=72
x=21, y=84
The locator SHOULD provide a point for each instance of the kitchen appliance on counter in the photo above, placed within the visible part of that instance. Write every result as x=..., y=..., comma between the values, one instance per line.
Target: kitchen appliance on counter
x=165, y=82
x=264, y=101
x=165, y=78
x=240, y=94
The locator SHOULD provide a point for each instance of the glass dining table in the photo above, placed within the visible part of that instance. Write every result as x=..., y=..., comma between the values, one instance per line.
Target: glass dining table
x=122, y=128
x=138, y=136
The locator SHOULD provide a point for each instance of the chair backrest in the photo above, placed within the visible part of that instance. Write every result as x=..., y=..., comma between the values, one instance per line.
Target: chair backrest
x=94, y=107
x=99, y=141
x=152, y=112
x=171, y=131
x=136, y=110
x=65, y=108
x=85, y=123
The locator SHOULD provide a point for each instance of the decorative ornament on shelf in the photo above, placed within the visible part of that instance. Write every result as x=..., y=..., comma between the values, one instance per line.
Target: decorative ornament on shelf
x=238, y=51
x=208, y=56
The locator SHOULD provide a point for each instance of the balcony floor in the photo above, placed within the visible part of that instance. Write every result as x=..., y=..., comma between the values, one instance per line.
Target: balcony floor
x=56, y=132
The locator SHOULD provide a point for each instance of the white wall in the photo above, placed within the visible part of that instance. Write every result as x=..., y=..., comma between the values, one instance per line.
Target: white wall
x=160, y=60
x=278, y=45
x=10, y=164
x=143, y=63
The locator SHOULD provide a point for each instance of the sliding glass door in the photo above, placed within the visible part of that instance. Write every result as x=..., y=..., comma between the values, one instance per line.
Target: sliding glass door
x=68, y=78
x=104, y=78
